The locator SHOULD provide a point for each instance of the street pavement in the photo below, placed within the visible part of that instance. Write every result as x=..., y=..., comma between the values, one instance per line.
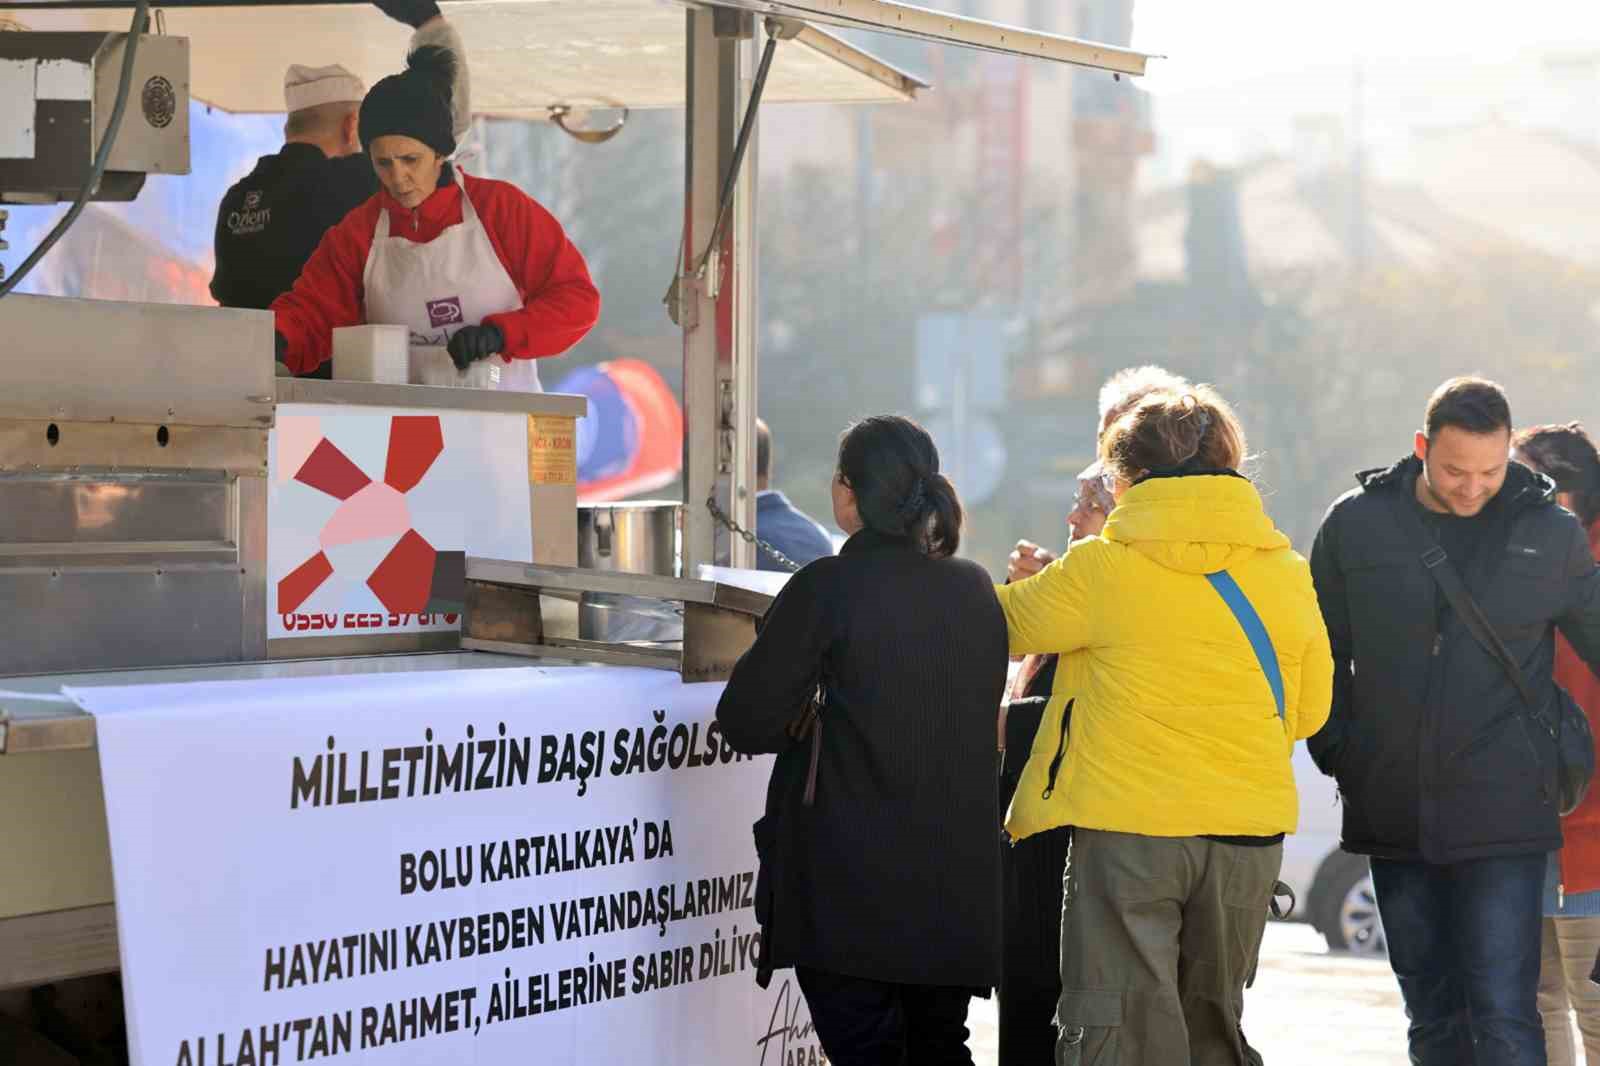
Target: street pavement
x=1308, y=1007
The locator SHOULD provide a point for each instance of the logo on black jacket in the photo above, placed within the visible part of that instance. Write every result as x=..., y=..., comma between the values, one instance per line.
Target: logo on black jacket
x=250, y=219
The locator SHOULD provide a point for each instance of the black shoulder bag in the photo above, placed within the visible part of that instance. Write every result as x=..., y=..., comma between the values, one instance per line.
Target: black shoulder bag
x=1570, y=735
x=770, y=833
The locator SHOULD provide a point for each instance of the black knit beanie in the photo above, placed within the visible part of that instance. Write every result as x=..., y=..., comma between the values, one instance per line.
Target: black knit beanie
x=414, y=103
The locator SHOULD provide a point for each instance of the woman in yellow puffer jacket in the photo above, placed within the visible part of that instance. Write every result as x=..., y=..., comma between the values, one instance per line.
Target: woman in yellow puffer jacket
x=1193, y=657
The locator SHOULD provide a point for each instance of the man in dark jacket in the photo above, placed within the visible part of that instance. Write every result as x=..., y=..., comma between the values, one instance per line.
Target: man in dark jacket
x=1447, y=784
x=780, y=523
x=270, y=222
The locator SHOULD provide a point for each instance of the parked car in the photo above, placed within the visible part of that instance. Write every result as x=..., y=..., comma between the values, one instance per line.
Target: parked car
x=1332, y=888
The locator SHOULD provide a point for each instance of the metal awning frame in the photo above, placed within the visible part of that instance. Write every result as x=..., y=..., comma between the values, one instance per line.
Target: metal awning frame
x=720, y=364
x=942, y=27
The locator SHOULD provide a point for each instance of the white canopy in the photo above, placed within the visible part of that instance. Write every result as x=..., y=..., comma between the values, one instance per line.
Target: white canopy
x=527, y=55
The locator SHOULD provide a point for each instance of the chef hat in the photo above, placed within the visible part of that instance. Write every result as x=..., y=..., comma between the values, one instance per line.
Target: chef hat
x=305, y=87
x=415, y=103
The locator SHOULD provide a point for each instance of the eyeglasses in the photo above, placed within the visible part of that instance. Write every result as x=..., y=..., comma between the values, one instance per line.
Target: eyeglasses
x=1097, y=491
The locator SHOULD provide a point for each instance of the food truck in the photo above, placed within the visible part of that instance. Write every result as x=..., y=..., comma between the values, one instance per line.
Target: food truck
x=308, y=748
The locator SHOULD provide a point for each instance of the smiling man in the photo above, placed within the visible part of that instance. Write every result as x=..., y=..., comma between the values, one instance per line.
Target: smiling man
x=1447, y=785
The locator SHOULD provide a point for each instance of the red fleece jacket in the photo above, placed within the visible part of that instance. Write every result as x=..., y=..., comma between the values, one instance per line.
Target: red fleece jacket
x=560, y=302
x=1580, y=855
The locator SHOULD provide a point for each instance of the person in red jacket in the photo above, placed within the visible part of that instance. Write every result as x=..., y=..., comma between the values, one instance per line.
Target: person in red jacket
x=467, y=264
x=1572, y=890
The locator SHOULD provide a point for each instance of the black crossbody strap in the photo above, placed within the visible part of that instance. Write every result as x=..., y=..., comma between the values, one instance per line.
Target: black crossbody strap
x=1455, y=590
x=1466, y=608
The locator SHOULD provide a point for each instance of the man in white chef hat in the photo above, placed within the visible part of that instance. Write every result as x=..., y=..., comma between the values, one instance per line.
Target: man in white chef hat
x=271, y=221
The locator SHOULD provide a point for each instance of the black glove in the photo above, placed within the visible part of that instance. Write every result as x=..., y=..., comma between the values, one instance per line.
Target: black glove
x=280, y=346
x=412, y=12
x=472, y=343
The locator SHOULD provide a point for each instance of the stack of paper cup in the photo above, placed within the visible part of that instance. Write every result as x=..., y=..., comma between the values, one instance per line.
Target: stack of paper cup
x=371, y=353
x=431, y=365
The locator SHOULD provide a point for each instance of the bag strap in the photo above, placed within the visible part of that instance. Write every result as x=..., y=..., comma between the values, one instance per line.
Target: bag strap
x=818, y=701
x=1260, y=642
x=1444, y=574
x=1437, y=563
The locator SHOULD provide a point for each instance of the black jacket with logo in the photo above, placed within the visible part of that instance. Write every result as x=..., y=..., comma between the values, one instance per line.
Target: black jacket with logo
x=271, y=221
x=1428, y=738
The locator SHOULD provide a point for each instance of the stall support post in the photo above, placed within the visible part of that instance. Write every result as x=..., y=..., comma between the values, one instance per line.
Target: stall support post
x=746, y=331
x=716, y=311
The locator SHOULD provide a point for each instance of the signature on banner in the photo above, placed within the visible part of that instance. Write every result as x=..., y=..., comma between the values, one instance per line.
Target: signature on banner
x=793, y=1041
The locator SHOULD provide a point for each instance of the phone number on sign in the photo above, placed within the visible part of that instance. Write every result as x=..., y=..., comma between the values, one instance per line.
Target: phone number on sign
x=315, y=623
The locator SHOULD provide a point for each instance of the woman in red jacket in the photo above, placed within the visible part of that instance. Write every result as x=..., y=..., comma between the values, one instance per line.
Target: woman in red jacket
x=1572, y=889
x=471, y=265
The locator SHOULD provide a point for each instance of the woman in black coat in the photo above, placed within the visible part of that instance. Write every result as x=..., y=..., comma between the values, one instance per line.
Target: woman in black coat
x=883, y=892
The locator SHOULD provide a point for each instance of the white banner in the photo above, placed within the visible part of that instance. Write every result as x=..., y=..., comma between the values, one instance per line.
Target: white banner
x=512, y=866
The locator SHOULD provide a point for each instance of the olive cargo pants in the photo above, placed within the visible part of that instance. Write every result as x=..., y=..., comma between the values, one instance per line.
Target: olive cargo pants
x=1158, y=937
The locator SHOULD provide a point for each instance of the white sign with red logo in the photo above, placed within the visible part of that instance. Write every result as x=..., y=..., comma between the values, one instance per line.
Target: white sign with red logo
x=367, y=507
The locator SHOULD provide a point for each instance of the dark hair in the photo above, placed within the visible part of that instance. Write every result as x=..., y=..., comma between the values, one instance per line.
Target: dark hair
x=763, y=449
x=1476, y=405
x=1567, y=455
x=1191, y=429
x=892, y=466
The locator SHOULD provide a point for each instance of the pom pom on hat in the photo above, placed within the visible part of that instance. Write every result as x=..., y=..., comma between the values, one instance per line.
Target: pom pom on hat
x=414, y=103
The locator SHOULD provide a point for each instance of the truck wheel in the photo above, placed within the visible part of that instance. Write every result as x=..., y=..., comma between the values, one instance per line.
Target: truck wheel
x=1346, y=911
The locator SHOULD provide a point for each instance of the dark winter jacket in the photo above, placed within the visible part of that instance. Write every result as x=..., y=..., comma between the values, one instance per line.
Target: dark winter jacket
x=1428, y=738
x=273, y=219
x=893, y=873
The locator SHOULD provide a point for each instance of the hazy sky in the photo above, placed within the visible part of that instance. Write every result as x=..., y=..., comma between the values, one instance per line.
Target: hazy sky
x=1214, y=43
x=1240, y=74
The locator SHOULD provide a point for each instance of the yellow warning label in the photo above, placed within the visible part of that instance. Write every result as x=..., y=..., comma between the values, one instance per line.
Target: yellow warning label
x=552, y=450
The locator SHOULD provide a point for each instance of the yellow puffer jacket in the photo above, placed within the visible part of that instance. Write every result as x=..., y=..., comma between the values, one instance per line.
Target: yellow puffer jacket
x=1174, y=729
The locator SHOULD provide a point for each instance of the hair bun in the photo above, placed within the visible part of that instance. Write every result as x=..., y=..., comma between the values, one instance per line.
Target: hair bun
x=912, y=507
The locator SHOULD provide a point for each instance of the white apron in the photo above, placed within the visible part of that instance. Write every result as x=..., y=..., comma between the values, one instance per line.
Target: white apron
x=435, y=289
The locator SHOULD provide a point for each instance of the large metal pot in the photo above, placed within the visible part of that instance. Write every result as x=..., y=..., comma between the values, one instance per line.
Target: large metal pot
x=631, y=538
x=634, y=538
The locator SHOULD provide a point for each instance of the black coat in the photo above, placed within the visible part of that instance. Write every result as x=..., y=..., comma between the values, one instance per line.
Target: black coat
x=1428, y=739
x=893, y=874
x=1031, y=869
x=271, y=221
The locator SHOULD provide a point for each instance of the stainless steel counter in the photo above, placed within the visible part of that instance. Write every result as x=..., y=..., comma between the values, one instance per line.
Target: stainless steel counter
x=430, y=397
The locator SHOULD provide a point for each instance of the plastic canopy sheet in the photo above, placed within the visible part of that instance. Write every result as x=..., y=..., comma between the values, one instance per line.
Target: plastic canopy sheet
x=547, y=865
x=631, y=441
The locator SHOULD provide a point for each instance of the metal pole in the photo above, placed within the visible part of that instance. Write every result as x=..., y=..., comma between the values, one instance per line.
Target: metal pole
x=742, y=272
x=707, y=299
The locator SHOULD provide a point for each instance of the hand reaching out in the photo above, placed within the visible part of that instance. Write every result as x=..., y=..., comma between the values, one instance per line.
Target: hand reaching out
x=1027, y=559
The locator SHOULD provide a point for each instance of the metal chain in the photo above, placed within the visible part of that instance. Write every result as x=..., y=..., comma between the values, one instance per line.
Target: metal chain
x=750, y=538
